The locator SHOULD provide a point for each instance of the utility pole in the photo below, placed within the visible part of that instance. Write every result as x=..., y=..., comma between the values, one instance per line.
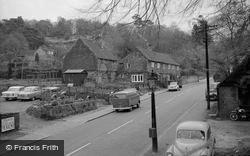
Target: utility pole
x=207, y=62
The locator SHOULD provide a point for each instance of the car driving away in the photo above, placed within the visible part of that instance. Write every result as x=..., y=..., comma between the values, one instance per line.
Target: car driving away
x=12, y=92
x=193, y=138
x=30, y=93
x=173, y=86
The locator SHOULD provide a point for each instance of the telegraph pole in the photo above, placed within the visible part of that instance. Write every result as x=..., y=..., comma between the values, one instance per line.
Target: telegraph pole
x=207, y=63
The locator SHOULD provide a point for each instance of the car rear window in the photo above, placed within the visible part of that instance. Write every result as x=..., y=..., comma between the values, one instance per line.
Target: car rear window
x=173, y=83
x=191, y=134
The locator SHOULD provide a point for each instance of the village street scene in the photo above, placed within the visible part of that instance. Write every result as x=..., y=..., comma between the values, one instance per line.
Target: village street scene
x=125, y=78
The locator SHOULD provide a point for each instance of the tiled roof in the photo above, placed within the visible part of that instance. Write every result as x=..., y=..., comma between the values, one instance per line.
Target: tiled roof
x=157, y=57
x=98, y=51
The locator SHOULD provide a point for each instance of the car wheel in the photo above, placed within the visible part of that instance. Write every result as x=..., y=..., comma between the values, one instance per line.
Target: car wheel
x=7, y=99
x=234, y=116
x=130, y=109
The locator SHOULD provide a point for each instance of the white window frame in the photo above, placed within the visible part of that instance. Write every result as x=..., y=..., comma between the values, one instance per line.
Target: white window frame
x=158, y=65
x=137, y=78
x=152, y=64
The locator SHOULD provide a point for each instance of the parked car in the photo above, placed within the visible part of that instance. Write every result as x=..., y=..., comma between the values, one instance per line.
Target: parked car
x=212, y=91
x=125, y=100
x=30, y=93
x=173, y=86
x=193, y=138
x=12, y=92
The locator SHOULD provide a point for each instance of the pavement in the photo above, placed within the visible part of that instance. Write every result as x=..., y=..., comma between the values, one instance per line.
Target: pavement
x=76, y=120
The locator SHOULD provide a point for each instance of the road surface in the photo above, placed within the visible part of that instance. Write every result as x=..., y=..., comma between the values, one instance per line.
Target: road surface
x=126, y=133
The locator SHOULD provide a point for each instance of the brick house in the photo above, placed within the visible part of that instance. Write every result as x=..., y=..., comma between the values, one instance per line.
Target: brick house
x=234, y=90
x=99, y=63
x=137, y=65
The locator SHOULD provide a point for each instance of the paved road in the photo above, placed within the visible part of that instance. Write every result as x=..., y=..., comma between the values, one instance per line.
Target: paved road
x=126, y=133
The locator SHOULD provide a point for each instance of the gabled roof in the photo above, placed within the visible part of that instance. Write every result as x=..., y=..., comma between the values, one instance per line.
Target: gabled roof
x=99, y=52
x=157, y=57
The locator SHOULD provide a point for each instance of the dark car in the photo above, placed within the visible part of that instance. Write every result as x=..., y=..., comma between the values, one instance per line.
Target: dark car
x=212, y=91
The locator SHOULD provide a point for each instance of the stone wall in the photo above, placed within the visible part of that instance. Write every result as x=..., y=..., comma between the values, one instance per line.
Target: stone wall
x=54, y=110
x=228, y=100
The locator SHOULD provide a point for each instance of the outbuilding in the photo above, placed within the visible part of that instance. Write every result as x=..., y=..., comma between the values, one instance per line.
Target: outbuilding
x=234, y=90
x=75, y=76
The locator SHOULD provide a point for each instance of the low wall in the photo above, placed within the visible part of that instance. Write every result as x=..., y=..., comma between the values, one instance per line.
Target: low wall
x=54, y=110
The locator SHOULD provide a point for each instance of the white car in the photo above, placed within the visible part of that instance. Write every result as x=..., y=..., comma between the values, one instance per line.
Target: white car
x=30, y=93
x=173, y=86
x=12, y=92
x=193, y=138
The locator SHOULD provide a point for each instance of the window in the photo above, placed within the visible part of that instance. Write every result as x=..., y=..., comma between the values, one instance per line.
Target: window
x=163, y=66
x=127, y=65
x=173, y=66
x=137, y=78
x=158, y=65
x=152, y=64
x=178, y=68
x=169, y=66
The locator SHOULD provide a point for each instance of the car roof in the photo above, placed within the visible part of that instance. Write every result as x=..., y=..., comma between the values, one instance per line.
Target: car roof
x=193, y=125
x=16, y=86
x=126, y=91
x=31, y=86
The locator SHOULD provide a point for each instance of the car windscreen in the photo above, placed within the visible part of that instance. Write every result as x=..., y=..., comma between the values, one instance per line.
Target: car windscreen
x=13, y=89
x=173, y=83
x=191, y=134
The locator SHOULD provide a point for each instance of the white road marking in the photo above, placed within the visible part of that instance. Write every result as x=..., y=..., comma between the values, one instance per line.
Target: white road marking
x=166, y=102
x=78, y=149
x=120, y=126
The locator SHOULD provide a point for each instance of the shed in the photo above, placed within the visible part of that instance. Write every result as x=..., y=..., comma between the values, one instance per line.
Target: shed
x=234, y=90
x=75, y=76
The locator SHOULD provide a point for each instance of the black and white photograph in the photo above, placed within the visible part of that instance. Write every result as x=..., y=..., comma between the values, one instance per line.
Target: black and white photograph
x=124, y=77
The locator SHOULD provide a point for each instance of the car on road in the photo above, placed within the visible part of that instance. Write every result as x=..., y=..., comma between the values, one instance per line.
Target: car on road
x=212, y=91
x=173, y=86
x=193, y=138
x=12, y=92
x=125, y=100
x=30, y=93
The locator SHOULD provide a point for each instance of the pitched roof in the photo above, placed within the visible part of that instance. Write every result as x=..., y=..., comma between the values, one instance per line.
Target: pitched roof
x=157, y=57
x=98, y=51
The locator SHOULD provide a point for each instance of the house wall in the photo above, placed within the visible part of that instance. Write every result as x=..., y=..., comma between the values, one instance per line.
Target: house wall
x=80, y=57
x=228, y=100
x=136, y=63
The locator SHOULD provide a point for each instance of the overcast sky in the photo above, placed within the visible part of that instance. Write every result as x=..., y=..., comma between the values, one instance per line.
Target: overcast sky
x=52, y=9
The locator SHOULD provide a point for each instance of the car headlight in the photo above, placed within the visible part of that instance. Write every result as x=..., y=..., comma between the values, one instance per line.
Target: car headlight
x=169, y=154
